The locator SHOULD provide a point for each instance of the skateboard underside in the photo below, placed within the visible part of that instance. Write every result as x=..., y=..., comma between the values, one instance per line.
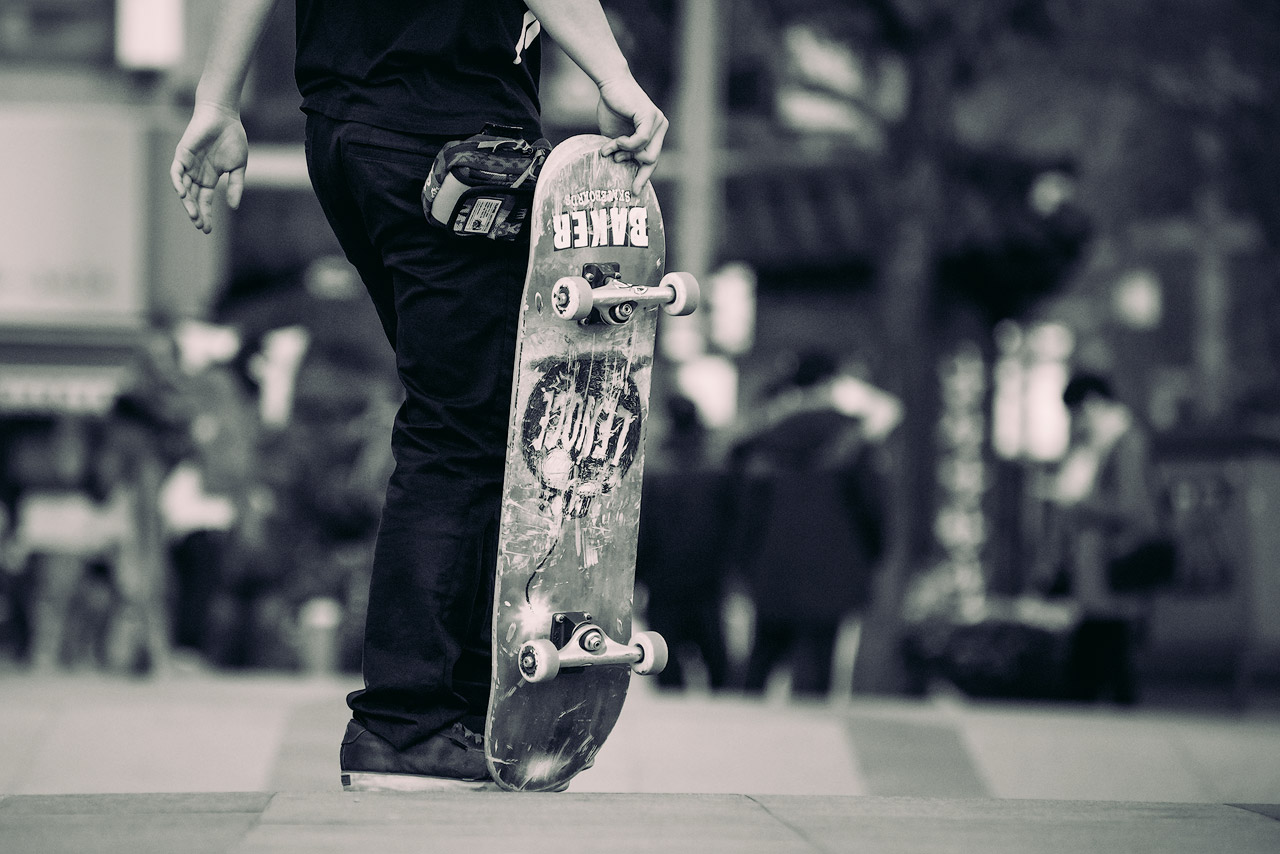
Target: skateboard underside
x=571, y=501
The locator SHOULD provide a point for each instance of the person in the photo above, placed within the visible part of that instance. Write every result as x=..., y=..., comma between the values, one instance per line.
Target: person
x=684, y=527
x=384, y=86
x=811, y=524
x=1106, y=547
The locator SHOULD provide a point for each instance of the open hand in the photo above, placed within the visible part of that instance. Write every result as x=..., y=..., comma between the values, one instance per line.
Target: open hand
x=214, y=144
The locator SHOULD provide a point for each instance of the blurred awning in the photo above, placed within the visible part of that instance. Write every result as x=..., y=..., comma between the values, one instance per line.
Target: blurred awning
x=52, y=371
x=802, y=216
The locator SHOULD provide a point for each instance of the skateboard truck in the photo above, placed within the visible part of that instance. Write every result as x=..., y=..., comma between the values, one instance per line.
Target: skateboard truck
x=600, y=294
x=577, y=642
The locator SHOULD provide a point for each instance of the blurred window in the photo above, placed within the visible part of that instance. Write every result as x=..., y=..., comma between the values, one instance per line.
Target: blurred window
x=43, y=32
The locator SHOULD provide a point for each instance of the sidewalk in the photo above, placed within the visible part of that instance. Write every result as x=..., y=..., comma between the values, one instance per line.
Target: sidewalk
x=249, y=764
x=700, y=824
x=209, y=732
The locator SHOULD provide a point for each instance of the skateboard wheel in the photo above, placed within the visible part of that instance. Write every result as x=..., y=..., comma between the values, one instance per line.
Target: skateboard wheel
x=539, y=661
x=653, y=649
x=571, y=298
x=687, y=293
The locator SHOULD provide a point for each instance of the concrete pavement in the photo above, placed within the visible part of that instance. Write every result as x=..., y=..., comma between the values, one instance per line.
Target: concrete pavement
x=264, y=823
x=199, y=761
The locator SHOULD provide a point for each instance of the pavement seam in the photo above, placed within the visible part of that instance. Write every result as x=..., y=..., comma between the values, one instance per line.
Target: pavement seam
x=803, y=837
x=1271, y=811
x=254, y=825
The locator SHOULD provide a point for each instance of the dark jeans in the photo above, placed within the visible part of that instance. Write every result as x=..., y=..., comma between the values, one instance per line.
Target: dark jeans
x=449, y=307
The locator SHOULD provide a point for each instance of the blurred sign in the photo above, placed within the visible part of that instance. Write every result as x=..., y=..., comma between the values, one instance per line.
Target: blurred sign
x=961, y=524
x=72, y=216
x=44, y=389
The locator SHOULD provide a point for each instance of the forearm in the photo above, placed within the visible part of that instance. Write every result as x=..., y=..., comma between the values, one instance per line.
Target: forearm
x=237, y=33
x=582, y=31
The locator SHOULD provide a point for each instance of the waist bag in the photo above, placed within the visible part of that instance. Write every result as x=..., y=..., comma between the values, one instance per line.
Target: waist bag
x=482, y=186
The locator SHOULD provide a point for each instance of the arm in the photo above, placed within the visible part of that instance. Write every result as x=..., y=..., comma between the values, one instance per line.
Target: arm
x=626, y=113
x=214, y=143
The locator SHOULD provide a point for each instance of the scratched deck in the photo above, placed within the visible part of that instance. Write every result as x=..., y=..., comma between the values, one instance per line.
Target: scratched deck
x=575, y=453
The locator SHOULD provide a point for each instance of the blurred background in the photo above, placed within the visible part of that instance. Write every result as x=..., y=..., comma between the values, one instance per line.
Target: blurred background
x=914, y=221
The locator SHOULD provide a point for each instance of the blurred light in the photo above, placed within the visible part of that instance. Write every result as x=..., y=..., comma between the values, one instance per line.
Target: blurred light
x=1048, y=425
x=186, y=505
x=276, y=370
x=682, y=338
x=711, y=382
x=149, y=34
x=819, y=59
x=731, y=304
x=1008, y=336
x=1138, y=300
x=1029, y=418
x=203, y=344
x=333, y=277
x=1050, y=191
x=1007, y=422
x=1051, y=341
x=880, y=411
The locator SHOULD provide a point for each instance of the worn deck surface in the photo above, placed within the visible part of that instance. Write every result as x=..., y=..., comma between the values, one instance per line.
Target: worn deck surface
x=575, y=453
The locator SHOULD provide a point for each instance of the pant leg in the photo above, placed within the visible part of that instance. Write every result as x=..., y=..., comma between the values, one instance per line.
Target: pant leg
x=811, y=662
x=773, y=640
x=449, y=307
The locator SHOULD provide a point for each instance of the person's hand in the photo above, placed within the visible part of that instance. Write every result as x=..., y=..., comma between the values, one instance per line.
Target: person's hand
x=634, y=124
x=214, y=144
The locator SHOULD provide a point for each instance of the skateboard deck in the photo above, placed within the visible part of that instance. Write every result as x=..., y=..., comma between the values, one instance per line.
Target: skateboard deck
x=563, y=649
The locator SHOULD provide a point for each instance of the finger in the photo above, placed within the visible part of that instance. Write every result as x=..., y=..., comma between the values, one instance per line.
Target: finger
x=187, y=197
x=205, y=200
x=177, y=175
x=627, y=143
x=235, y=188
x=652, y=126
x=609, y=148
x=642, y=177
x=648, y=158
x=189, y=205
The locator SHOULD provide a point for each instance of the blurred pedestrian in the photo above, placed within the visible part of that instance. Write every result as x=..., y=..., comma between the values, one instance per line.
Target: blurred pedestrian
x=1105, y=548
x=810, y=523
x=59, y=539
x=683, y=548
x=132, y=461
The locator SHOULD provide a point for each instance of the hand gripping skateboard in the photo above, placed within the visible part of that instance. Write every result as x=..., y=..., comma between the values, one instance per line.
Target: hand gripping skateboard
x=563, y=649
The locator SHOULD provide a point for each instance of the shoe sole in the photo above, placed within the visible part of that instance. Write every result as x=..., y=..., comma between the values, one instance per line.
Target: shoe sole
x=369, y=781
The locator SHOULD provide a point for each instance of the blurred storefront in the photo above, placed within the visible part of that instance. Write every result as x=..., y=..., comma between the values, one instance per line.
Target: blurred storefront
x=91, y=253
x=911, y=204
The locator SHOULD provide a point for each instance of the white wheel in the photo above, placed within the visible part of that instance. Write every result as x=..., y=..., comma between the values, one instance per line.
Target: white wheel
x=653, y=649
x=571, y=298
x=687, y=293
x=539, y=661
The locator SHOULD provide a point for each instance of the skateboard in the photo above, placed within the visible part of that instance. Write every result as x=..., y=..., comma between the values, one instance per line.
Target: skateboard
x=563, y=650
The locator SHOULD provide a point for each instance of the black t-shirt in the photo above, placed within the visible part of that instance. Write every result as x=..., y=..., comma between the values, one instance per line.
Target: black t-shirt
x=420, y=66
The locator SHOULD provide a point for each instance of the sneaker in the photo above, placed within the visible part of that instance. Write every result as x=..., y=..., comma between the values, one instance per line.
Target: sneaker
x=451, y=760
